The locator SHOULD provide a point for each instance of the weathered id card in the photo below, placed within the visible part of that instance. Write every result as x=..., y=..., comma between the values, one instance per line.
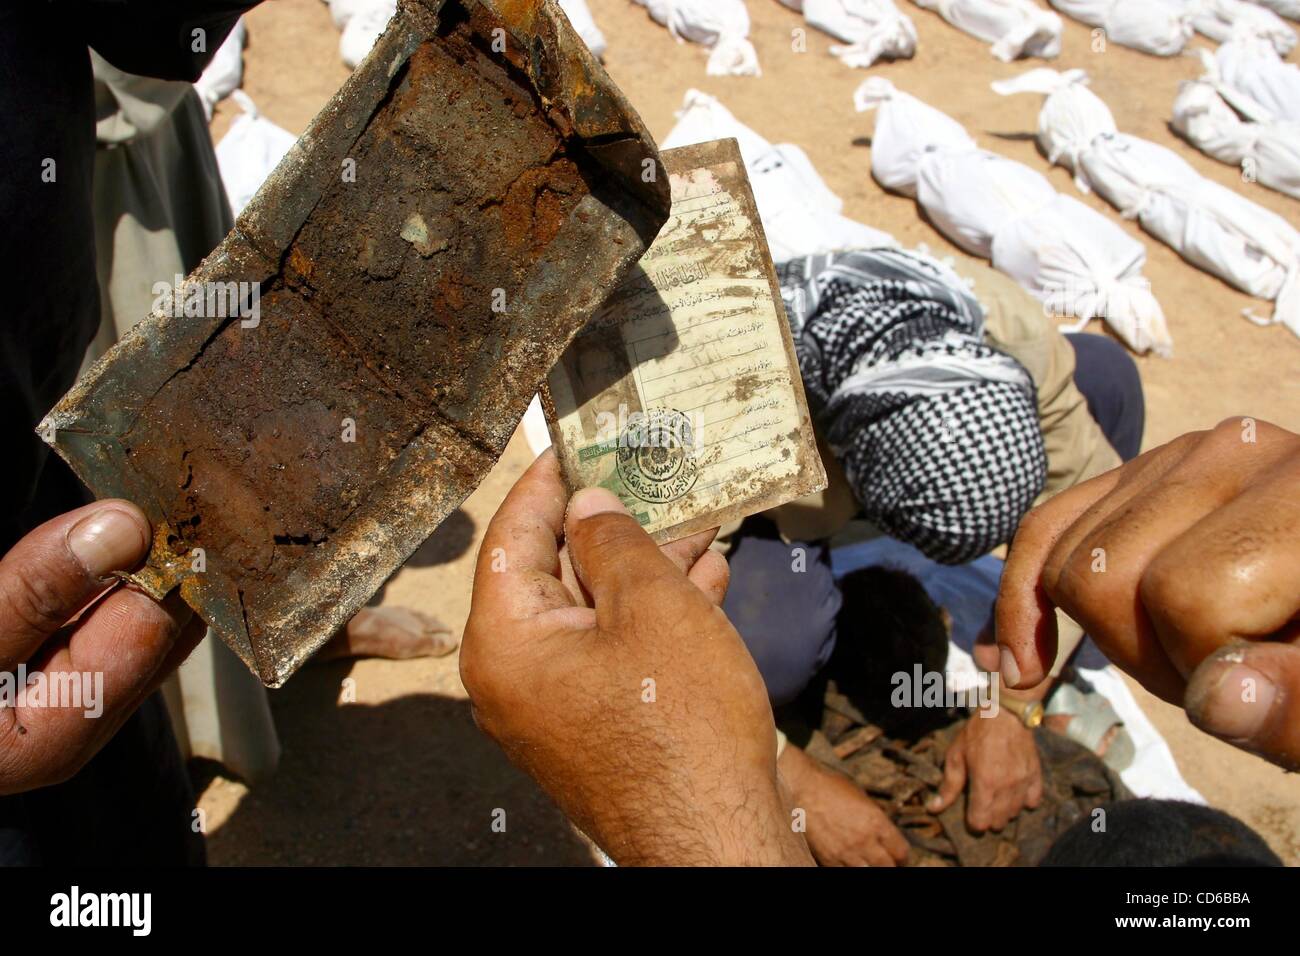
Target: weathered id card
x=682, y=394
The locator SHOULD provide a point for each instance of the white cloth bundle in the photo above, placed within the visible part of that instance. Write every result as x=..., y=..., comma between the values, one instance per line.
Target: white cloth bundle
x=341, y=11
x=362, y=22
x=1210, y=226
x=225, y=72
x=1220, y=20
x=1152, y=26
x=584, y=25
x=703, y=118
x=800, y=214
x=1074, y=260
x=722, y=25
x=786, y=187
x=1283, y=8
x=249, y=151
x=1016, y=28
x=1267, y=149
x=1249, y=66
x=906, y=130
x=870, y=29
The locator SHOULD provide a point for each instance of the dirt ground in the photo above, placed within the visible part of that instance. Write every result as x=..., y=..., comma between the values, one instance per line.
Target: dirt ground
x=401, y=775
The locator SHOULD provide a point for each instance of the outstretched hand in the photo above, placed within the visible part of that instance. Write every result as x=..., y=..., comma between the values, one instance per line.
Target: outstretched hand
x=604, y=667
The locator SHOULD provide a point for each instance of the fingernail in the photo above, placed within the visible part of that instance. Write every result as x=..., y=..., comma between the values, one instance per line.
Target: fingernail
x=1010, y=669
x=1235, y=706
x=107, y=540
x=935, y=805
x=595, y=501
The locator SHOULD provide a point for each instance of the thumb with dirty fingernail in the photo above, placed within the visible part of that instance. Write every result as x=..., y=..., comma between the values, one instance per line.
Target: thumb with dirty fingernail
x=1249, y=695
x=588, y=502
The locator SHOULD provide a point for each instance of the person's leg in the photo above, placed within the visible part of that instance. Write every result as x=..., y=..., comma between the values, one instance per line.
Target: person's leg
x=393, y=632
x=1108, y=378
x=783, y=600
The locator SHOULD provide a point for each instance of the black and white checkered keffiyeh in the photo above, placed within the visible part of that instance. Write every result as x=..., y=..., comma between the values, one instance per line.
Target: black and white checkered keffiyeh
x=938, y=433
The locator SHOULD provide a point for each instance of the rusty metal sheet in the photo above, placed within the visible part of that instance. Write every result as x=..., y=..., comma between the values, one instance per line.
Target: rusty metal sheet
x=413, y=268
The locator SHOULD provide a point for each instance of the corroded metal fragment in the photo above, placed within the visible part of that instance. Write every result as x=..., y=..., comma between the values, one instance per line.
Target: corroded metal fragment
x=421, y=258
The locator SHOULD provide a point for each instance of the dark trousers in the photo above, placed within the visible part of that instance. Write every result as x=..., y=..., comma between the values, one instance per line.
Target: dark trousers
x=131, y=805
x=1108, y=378
x=783, y=597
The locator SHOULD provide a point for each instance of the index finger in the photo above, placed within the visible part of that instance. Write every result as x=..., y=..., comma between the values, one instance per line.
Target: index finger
x=1024, y=616
x=518, y=569
x=95, y=674
x=684, y=552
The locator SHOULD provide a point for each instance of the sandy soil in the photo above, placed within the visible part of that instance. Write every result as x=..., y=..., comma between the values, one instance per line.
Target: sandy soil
x=401, y=775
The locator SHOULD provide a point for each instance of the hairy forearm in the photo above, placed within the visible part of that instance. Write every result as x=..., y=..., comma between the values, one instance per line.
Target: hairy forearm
x=698, y=817
x=750, y=827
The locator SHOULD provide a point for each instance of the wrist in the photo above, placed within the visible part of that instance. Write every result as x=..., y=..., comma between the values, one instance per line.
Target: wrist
x=794, y=767
x=1028, y=712
x=739, y=822
x=763, y=833
x=1036, y=693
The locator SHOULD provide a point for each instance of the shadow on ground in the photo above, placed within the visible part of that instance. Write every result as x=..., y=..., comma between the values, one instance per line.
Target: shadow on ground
x=411, y=781
x=453, y=538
